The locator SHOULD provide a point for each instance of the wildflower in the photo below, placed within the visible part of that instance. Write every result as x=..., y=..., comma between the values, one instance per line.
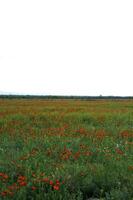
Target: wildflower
x=21, y=178
x=51, y=182
x=5, y=176
x=56, y=187
x=23, y=183
x=57, y=182
x=33, y=188
x=14, y=186
x=125, y=134
x=3, y=193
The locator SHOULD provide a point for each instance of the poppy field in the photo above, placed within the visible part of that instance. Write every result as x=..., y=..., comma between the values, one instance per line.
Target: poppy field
x=66, y=149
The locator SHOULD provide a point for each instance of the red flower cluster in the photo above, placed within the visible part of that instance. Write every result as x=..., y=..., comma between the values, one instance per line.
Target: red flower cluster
x=56, y=185
x=3, y=176
x=22, y=181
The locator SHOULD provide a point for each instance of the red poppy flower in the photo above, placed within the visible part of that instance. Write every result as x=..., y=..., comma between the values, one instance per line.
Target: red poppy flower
x=56, y=187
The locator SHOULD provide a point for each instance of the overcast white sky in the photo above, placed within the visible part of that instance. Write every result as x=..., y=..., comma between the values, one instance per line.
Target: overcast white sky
x=66, y=47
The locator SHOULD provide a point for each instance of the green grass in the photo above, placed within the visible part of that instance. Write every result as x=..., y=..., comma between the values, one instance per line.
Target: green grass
x=86, y=145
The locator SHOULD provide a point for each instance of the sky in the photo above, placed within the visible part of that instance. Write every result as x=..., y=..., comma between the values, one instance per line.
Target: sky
x=66, y=47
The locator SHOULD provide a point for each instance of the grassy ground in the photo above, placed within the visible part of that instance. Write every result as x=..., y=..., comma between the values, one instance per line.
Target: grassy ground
x=66, y=149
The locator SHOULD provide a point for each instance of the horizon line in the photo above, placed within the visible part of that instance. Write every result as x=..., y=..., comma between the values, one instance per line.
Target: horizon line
x=56, y=95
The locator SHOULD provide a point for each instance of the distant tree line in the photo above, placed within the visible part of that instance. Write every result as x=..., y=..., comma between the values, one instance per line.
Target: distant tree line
x=63, y=97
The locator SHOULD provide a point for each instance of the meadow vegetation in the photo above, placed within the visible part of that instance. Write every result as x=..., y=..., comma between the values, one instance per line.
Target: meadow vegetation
x=66, y=149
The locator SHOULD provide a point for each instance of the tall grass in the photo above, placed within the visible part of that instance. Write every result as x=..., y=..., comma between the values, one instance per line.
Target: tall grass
x=66, y=149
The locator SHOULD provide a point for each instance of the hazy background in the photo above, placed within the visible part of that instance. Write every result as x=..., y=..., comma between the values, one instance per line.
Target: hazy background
x=66, y=47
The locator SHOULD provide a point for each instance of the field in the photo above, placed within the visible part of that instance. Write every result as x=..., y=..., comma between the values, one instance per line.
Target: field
x=66, y=149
